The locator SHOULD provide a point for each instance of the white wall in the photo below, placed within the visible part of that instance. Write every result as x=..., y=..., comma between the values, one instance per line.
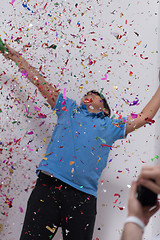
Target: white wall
x=83, y=33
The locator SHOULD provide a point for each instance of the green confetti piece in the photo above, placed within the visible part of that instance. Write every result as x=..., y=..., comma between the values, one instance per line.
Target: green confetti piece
x=53, y=46
x=103, y=141
x=101, y=95
x=3, y=49
x=113, y=117
x=156, y=157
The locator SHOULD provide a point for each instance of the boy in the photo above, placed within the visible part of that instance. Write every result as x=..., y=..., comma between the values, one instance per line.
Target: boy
x=66, y=189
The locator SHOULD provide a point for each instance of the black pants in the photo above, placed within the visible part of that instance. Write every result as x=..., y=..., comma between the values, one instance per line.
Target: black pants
x=54, y=204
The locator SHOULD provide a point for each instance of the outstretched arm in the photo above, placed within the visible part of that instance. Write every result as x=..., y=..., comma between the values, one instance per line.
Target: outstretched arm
x=147, y=113
x=47, y=90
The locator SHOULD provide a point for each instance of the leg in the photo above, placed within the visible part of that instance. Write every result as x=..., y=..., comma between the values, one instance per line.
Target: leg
x=42, y=216
x=79, y=213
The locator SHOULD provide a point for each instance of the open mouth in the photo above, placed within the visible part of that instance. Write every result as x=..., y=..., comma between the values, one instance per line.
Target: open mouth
x=87, y=100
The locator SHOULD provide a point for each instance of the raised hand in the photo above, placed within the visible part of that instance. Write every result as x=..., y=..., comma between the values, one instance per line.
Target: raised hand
x=150, y=172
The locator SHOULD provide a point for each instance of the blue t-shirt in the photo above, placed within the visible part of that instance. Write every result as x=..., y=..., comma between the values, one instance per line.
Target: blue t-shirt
x=78, y=150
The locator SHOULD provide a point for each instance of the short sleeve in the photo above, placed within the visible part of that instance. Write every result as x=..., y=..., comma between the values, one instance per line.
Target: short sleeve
x=119, y=128
x=63, y=105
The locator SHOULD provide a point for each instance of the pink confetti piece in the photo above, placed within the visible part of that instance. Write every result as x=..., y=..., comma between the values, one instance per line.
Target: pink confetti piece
x=37, y=109
x=24, y=73
x=105, y=78
x=12, y=2
x=64, y=102
x=133, y=115
x=30, y=149
x=90, y=62
x=30, y=133
x=26, y=108
x=64, y=94
x=21, y=209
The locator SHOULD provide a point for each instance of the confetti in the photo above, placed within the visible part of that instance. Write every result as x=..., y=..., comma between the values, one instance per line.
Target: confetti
x=40, y=115
x=64, y=94
x=105, y=78
x=105, y=145
x=133, y=115
x=149, y=120
x=135, y=102
x=21, y=209
x=116, y=195
x=156, y=157
x=53, y=46
x=141, y=55
x=81, y=55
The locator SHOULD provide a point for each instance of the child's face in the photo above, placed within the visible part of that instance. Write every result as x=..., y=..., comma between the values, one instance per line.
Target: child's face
x=93, y=102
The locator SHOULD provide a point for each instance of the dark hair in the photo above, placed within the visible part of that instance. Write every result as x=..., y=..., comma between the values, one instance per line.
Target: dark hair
x=106, y=106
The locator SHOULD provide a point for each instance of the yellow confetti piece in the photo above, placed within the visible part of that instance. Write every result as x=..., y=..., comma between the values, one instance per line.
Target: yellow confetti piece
x=105, y=55
x=139, y=43
x=80, y=89
x=83, y=65
x=44, y=140
x=51, y=229
x=45, y=155
x=99, y=159
x=115, y=87
x=121, y=15
x=11, y=170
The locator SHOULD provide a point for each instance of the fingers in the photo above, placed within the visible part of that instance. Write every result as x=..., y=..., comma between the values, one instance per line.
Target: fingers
x=133, y=190
x=151, y=185
x=154, y=210
x=150, y=171
x=147, y=173
x=148, y=168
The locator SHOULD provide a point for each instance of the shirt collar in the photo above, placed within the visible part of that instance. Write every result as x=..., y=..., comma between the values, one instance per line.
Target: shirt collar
x=98, y=114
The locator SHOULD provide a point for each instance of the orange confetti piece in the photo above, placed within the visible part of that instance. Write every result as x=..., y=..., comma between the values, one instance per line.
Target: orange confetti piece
x=71, y=162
